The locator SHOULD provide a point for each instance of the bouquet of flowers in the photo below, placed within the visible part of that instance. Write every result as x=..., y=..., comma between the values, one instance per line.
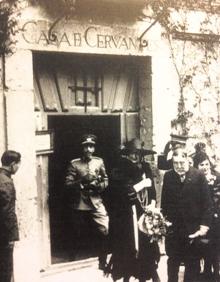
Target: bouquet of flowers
x=153, y=224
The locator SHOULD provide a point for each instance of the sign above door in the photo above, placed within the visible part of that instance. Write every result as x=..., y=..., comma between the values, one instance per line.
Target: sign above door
x=72, y=36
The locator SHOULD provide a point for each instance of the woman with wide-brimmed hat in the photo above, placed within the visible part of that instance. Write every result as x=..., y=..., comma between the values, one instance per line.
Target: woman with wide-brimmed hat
x=132, y=252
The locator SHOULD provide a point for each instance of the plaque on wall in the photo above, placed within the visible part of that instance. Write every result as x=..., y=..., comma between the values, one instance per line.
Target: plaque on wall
x=44, y=142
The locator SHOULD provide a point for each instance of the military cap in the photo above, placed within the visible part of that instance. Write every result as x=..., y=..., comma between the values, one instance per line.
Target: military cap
x=88, y=139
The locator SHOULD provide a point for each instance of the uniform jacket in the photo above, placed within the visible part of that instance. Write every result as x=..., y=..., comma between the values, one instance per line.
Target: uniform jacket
x=187, y=205
x=76, y=171
x=8, y=218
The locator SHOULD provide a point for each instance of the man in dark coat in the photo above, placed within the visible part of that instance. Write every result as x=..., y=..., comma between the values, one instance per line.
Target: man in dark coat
x=8, y=219
x=186, y=203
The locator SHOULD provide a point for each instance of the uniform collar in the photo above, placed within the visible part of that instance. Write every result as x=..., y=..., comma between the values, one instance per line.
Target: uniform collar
x=84, y=159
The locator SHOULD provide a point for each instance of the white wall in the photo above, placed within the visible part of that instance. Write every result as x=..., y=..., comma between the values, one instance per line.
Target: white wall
x=21, y=137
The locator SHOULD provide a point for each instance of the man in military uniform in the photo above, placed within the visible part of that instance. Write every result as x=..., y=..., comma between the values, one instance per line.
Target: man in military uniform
x=86, y=179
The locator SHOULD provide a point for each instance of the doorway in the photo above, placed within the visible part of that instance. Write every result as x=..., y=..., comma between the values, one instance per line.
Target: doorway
x=67, y=134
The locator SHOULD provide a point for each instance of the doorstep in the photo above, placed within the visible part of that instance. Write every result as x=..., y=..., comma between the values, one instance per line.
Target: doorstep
x=82, y=271
x=68, y=267
x=87, y=271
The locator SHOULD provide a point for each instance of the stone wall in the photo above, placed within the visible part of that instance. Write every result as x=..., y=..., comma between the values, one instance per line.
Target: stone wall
x=159, y=95
x=2, y=109
x=21, y=137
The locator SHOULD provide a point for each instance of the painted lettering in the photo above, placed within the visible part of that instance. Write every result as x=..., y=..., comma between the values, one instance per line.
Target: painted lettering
x=53, y=38
x=108, y=41
x=43, y=38
x=115, y=41
x=123, y=44
x=64, y=39
x=77, y=39
x=25, y=32
x=101, y=41
x=87, y=39
x=132, y=43
x=36, y=33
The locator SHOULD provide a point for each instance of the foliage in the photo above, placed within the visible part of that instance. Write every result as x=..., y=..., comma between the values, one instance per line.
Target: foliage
x=196, y=58
x=8, y=25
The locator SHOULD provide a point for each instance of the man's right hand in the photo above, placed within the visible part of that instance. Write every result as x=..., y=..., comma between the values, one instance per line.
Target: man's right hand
x=201, y=232
x=86, y=179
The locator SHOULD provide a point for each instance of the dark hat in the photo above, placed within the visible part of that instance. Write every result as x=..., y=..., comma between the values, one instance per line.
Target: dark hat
x=200, y=147
x=135, y=145
x=178, y=139
x=199, y=158
x=88, y=139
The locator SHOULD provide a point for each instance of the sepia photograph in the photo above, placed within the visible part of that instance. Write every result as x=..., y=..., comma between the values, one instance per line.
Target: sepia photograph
x=110, y=140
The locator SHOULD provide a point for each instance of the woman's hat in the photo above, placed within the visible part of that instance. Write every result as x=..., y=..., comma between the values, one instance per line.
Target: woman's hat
x=200, y=147
x=135, y=145
x=199, y=158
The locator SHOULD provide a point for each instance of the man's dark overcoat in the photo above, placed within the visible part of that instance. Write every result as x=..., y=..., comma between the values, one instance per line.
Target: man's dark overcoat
x=8, y=224
x=8, y=218
x=186, y=205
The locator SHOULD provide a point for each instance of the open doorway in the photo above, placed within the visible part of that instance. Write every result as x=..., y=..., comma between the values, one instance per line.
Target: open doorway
x=67, y=133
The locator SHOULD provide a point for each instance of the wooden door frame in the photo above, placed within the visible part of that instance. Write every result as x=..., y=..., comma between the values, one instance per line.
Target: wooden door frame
x=145, y=96
x=43, y=206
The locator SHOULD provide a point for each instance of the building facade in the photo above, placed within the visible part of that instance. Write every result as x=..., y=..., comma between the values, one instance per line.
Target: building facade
x=102, y=68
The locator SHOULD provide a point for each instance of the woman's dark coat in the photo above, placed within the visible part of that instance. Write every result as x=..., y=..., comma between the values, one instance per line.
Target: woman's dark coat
x=124, y=260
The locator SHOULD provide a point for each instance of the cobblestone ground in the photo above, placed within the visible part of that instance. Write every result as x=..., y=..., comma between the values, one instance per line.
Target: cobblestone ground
x=92, y=274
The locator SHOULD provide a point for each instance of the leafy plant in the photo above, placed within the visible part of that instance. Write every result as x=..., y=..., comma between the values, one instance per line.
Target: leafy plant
x=195, y=58
x=8, y=25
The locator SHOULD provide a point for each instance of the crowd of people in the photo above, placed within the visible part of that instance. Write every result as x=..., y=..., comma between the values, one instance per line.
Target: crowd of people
x=189, y=203
x=126, y=219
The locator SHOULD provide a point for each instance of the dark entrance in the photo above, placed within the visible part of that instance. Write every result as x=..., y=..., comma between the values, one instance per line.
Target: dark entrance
x=67, y=133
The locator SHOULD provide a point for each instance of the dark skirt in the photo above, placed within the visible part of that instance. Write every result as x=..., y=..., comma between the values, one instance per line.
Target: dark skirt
x=148, y=258
x=124, y=261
